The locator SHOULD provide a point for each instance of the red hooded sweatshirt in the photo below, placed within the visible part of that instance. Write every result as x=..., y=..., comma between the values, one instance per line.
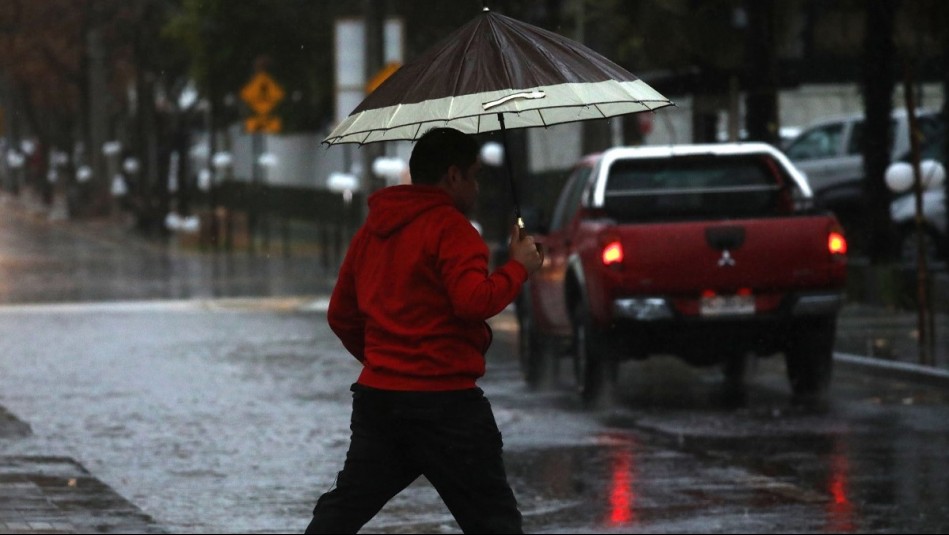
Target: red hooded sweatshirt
x=414, y=292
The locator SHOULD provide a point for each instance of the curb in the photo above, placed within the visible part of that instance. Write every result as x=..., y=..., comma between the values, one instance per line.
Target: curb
x=894, y=370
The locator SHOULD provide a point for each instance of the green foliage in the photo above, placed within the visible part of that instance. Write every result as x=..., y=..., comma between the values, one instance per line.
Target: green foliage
x=291, y=40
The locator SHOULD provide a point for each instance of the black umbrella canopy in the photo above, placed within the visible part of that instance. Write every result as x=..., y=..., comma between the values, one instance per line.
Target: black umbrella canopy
x=494, y=65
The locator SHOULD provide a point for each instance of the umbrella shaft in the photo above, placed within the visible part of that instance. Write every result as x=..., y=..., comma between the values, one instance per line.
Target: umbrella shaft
x=510, y=171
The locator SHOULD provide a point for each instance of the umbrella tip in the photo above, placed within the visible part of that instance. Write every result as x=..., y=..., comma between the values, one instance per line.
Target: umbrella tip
x=484, y=6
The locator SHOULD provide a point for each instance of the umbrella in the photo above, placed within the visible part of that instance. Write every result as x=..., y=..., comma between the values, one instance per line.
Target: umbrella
x=496, y=73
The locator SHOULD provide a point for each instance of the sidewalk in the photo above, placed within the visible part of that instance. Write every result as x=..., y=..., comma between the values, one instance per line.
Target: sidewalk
x=881, y=323
x=45, y=494
x=883, y=342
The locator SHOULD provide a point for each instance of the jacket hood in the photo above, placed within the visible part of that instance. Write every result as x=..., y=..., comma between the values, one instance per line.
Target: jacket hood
x=394, y=207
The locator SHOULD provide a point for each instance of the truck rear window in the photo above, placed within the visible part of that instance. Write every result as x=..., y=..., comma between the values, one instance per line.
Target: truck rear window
x=689, y=188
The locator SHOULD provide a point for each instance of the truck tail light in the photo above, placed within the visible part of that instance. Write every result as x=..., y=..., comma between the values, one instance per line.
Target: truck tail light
x=612, y=253
x=836, y=243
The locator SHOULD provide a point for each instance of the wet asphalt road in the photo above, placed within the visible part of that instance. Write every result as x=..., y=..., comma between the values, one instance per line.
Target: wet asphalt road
x=209, y=393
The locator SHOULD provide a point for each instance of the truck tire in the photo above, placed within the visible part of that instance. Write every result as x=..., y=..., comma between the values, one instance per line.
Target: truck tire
x=809, y=359
x=595, y=369
x=538, y=365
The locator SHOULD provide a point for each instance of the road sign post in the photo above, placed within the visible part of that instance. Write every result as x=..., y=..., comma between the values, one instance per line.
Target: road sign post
x=262, y=94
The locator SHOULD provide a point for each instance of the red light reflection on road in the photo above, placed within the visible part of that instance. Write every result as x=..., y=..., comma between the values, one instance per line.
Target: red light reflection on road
x=622, y=490
x=840, y=514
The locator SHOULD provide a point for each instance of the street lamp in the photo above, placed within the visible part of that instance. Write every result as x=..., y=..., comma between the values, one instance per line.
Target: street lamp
x=83, y=174
x=390, y=169
x=131, y=166
x=266, y=161
x=343, y=183
x=15, y=161
x=221, y=161
x=118, y=187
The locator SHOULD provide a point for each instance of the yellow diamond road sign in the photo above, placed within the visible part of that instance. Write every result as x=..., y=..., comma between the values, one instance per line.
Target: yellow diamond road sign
x=262, y=93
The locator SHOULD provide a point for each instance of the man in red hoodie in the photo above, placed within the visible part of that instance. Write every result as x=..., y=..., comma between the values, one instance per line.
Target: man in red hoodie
x=410, y=304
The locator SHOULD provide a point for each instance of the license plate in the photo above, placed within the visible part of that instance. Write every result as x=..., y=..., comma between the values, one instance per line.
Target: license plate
x=727, y=305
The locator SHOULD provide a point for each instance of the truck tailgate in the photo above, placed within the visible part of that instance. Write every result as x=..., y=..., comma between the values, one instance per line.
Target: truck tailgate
x=770, y=254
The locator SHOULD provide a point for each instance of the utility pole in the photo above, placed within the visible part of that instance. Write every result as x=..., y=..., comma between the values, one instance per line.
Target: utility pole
x=925, y=323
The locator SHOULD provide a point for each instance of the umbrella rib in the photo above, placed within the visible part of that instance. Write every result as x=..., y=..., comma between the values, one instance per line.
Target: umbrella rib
x=540, y=113
x=392, y=115
x=505, y=63
x=457, y=81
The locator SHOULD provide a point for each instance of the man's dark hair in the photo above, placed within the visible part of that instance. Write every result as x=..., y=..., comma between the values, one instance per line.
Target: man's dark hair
x=437, y=150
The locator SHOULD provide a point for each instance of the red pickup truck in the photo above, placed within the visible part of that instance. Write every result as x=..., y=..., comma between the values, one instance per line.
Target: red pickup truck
x=713, y=253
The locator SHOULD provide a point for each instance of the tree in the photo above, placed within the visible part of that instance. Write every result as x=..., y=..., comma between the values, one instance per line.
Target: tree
x=41, y=60
x=227, y=40
x=70, y=65
x=761, y=78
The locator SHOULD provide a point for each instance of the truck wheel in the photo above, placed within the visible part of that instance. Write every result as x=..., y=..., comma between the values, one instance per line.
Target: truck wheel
x=594, y=367
x=809, y=359
x=538, y=365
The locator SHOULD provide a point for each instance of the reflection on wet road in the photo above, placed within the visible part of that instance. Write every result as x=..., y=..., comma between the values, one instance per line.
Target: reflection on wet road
x=673, y=456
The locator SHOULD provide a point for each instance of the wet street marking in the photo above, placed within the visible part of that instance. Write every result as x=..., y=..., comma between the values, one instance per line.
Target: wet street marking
x=782, y=488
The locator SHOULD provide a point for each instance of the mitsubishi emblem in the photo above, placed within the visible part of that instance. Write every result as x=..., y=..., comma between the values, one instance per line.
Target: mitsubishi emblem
x=726, y=259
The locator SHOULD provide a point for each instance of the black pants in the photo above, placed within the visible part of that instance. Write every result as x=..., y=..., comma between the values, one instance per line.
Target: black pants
x=449, y=437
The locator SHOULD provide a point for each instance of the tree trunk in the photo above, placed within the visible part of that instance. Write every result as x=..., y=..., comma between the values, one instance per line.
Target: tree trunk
x=98, y=121
x=879, y=80
x=761, y=100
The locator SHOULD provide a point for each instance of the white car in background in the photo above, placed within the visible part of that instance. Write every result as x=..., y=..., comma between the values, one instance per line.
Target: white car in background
x=830, y=153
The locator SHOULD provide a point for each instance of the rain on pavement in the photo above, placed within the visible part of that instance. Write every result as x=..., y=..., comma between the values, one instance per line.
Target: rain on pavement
x=207, y=390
